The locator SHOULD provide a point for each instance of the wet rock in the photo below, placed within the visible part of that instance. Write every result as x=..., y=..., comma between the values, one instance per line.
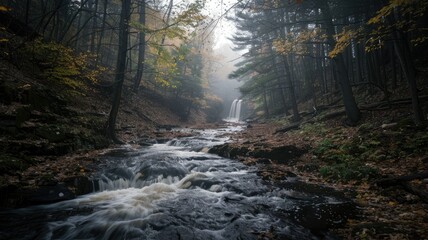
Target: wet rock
x=263, y=161
x=15, y=196
x=308, y=168
x=49, y=194
x=162, y=140
x=229, y=151
x=5, y=201
x=79, y=185
x=153, y=169
x=166, y=127
x=290, y=175
x=145, y=142
x=280, y=154
x=316, y=190
x=321, y=217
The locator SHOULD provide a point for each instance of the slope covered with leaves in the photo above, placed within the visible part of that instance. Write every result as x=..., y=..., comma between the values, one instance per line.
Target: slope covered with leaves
x=53, y=109
x=359, y=160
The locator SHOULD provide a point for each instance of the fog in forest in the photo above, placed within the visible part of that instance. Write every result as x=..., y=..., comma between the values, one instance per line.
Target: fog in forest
x=225, y=57
x=220, y=84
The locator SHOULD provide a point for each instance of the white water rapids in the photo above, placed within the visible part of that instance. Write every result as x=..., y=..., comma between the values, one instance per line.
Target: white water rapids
x=174, y=191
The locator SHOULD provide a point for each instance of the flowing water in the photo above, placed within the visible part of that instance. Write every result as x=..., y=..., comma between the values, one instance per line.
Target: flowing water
x=235, y=111
x=176, y=190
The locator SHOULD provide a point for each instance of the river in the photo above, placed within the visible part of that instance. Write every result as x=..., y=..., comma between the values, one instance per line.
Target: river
x=176, y=190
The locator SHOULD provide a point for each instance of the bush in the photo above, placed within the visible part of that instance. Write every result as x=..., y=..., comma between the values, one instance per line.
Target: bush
x=346, y=171
x=59, y=64
x=324, y=146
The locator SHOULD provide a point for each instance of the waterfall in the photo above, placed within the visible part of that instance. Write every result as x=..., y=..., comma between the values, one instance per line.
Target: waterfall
x=235, y=110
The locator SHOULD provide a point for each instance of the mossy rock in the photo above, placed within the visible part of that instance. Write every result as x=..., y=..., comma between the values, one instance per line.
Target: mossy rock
x=279, y=154
x=228, y=151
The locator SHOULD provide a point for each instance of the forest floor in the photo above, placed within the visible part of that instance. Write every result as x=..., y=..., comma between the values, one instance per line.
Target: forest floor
x=50, y=137
x=352, y=160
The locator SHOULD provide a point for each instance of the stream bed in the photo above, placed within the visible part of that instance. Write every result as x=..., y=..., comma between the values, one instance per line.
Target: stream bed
x=175, y=190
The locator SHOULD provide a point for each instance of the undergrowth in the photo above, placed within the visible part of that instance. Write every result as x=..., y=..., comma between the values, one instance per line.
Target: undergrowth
x=347, y=158
x=60, y=65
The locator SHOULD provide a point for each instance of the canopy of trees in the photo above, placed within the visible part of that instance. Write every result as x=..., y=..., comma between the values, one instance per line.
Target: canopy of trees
x=301, y=51
x=157, y=44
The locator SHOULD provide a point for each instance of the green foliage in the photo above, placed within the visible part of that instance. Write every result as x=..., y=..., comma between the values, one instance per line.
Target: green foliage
x=345, y=161
x=60, y=65
x=418, y=144
x=348, y=170
x=165, y=65
x=324, y=146
x=315, y=128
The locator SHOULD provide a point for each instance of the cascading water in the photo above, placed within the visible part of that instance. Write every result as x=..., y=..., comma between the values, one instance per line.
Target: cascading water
x=238, y=110
x=232, y=109
x=176, y=191
x=235, y=111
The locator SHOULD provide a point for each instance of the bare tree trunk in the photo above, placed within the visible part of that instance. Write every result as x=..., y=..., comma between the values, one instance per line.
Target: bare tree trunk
x=265, y=105
x=288, y=68
x=100, y=38
x=394, y=70
x=120, y=69
x=409, y=72
x=141, y=47
x=27, y=11
x=351, y=108
x=70, y=23
x=94, y=26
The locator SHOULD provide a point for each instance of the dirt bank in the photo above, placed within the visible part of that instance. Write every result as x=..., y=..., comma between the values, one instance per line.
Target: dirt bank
x=349, y=159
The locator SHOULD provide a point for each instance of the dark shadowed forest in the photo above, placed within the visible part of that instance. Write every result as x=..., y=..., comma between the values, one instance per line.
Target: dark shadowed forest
x=112, y=119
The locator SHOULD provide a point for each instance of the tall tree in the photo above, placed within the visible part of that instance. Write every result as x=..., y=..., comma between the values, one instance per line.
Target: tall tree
x=351, y=107
x=120, y=69
x=141, y=45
